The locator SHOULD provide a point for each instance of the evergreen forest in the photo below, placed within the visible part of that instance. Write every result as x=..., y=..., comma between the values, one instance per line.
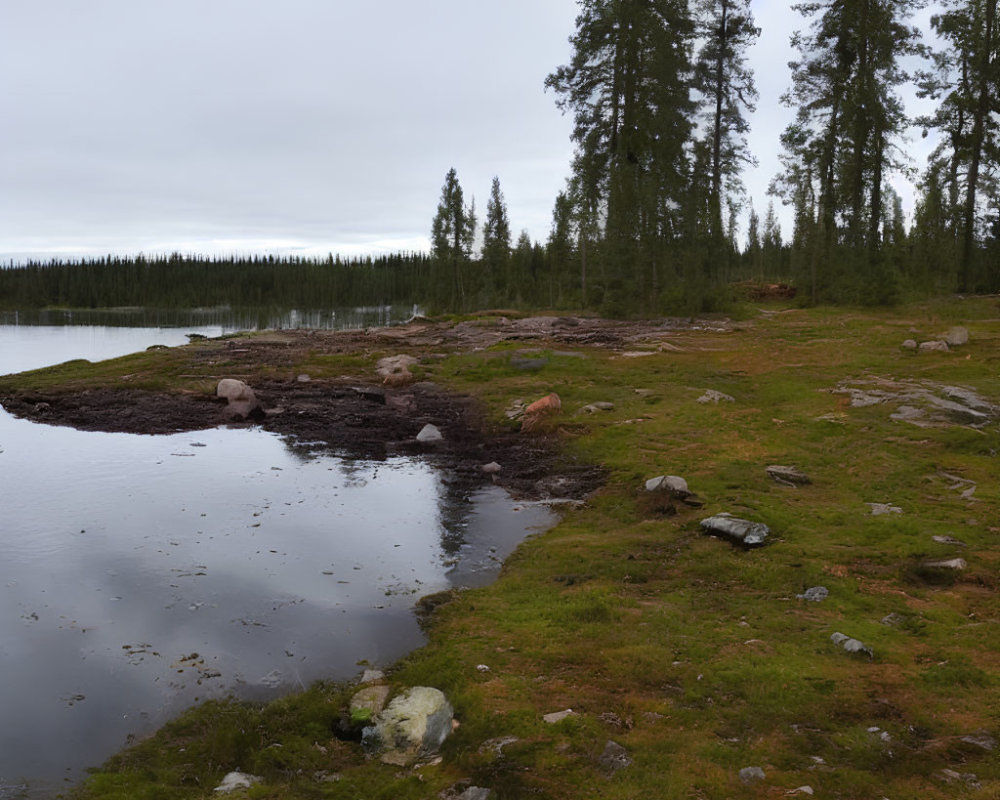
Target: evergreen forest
x=660, y=93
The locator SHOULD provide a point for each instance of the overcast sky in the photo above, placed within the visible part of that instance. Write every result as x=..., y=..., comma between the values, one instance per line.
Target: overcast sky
x=311, y=126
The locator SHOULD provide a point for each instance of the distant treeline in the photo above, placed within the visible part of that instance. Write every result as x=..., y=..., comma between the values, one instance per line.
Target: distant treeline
x=189, y=281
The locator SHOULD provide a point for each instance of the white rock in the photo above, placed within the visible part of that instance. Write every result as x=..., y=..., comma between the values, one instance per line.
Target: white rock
x=492, y=468
x=713, y=396
x=910, y=344
x=947, y=563
x=236, y=780
x=558, y=716
x=934, y=346
x=429, y=433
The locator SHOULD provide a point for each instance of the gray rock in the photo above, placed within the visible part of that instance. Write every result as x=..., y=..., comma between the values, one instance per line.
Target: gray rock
x=593, y=408
x=749, y=534
x=491, y=469
x=879, y=509
x=934, y=346
x=303, y=378
x=429, y=434
x=787, y=476
x=750, y=775
x=713, y=396
x=948, y=540
x=947, y=563
x=892, y=619
x=910, y=344
x=614, y=757
x=672, y=484
x=558, y=716
x=851, y=645
x=413, y=726
x=951, y=776
x=497, y=745
x=372, y=676
x=815, y=594
x=981, y=740
x=957, y=336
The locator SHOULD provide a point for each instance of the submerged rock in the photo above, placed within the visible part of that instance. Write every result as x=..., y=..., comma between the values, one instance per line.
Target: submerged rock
x=742, y=531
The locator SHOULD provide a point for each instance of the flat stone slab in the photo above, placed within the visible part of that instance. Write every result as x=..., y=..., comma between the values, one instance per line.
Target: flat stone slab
x=787, y=476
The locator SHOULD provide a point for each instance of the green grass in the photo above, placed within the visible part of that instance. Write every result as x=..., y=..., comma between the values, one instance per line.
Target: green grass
x=695, y=655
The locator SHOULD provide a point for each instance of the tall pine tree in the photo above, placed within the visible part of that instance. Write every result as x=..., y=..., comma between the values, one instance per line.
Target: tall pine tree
x=628, y=87
x=495, y=257
x=453, y=232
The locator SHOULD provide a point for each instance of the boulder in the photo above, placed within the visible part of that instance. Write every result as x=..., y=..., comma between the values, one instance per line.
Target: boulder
x=429, y=434
x=787, y=476
x=241, y=402
x=672, y=484
x=614, y=757
x=814, y=594
x=851, y=645
x=934, y=346
x=236, y=780
x=368, y=702
x=741, y=531
x=910, y=344
x=750, y=775
x=395, y=370
x=540, y=409
x=412, y=727
x=957, y=336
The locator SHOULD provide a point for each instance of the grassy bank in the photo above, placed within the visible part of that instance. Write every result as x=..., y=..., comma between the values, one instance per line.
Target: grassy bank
x=696, y=656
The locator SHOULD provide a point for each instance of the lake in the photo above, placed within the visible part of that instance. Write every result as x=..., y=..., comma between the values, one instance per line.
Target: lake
x=142, y=574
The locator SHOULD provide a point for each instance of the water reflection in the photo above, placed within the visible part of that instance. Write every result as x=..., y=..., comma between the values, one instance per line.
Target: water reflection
x=145, y=573
x=225, y=318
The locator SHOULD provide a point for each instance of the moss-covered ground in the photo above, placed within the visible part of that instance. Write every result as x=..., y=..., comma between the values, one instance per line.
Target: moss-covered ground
x=694, y=655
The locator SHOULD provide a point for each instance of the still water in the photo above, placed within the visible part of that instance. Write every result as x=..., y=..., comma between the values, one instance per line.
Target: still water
x=141, y=574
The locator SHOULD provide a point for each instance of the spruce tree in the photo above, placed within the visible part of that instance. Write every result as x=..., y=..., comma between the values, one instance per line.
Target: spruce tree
x=966, y=80
x=628, y=87
x=845, y=90
x=727, y=90
x=453, y=231
x=495, y=255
